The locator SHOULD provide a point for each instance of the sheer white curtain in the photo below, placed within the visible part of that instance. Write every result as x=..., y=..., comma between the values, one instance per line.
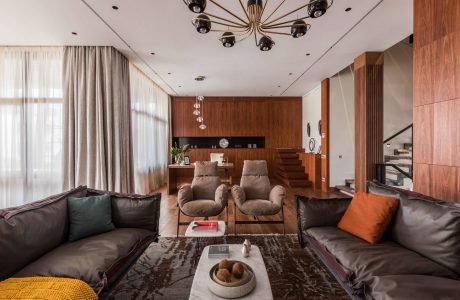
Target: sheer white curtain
x=30, y=124
x=150, y=126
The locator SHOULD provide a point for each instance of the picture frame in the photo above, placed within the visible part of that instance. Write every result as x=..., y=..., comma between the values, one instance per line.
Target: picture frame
x=187, y=160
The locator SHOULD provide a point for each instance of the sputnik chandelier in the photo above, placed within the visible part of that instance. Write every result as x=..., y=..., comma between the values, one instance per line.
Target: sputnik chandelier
x=254, y=22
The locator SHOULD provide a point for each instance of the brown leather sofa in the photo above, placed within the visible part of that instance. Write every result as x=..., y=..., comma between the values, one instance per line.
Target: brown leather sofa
x=33, y=239
x=418, y=258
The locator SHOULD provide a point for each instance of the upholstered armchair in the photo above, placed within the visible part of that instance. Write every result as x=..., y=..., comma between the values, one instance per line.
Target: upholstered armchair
x=205, y=197
x=254, y=196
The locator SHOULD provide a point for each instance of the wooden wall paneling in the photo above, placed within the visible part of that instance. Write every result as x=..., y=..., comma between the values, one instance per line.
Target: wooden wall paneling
x=368, y=117
x=279, y=119
x=312, y=164
x=436, y=98
x=325, y=102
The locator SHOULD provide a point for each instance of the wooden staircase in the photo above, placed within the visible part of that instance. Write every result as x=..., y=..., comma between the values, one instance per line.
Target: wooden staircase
x=290, y=170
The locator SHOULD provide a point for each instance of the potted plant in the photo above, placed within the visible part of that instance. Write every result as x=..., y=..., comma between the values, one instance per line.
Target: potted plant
x=175, y=153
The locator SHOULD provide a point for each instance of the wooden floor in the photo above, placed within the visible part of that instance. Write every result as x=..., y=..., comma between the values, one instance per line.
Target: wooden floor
x=168, y=214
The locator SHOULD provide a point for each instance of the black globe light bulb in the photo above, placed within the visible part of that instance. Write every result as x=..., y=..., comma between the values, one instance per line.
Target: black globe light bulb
x=253, y=2
x=266, y=43
x=298, y=29
x=202, y=24
x=228, y=39
x=197, y=6
x=317, y=8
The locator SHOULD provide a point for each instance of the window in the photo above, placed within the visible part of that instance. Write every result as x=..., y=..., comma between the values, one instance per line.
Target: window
x=31, y=104
x=150, y=127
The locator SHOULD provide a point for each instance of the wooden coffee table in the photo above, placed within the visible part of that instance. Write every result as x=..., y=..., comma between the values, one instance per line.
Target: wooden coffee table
x=255, y=261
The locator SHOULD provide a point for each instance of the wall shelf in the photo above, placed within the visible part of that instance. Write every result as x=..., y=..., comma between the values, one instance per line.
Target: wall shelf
x=235, y=142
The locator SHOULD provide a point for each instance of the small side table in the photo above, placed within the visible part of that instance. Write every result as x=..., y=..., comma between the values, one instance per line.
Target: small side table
x=206, y=233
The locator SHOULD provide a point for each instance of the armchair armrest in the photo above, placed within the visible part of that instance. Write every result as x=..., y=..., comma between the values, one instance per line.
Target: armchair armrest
x=277, y=195
x=238, y=195
x=134, y=211
x=184, y=195
x=313, y=212
x=222, y=195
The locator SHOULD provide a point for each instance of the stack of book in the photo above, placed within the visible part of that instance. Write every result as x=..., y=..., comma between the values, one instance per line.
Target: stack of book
x=205, y=226
x=218, y=251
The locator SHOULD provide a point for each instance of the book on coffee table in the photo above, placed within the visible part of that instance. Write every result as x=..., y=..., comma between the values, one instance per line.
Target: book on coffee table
x=205, y=226
x=218, y=251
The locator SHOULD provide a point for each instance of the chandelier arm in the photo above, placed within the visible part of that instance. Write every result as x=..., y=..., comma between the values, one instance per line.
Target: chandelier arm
x=289, y=13
x=244, y=9
x=282, y=2
x=220, y=23
x=226, y=20
x=229, y=12
x=263, y=9
x=236, y=32
x=284, y=26
x=274, y=32
x=283, y=23
x=247, y=36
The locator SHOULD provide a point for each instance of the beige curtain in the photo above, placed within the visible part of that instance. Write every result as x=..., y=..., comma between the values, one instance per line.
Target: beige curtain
x=97, y=119
x=150, y=122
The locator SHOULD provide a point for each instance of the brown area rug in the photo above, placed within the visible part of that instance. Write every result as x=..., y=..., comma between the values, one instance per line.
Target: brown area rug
x=166, y=269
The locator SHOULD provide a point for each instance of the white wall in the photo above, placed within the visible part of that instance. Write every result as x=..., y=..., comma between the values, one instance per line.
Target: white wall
x=311, y=113
x=342, y=127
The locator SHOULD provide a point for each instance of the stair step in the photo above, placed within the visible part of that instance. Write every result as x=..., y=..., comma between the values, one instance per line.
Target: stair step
x=300, y=183
x=399, y=164
x=346, y=190
x=397, y=151
x=291, y=168
x=289, y=150
x=293, y=175
x=349, y=181
x=407, y=146
x=288, y=155
x=398, y=157
x=289, y=161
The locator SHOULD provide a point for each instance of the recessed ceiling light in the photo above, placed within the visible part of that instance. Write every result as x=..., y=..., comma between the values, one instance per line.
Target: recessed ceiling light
x=169, y=73
x=74, y=33
x=290, y=73
x=115, y=7
x=308, y=54
x=200, y=78
x=279, y=85
x=348, y=9
x=180, y=85
x=152, y=53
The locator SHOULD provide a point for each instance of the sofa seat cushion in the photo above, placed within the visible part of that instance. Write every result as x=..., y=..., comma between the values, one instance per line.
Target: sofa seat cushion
x=96, y=260
x=259, y=207
x=202, y=208
x=402, y=287
x=365, y=260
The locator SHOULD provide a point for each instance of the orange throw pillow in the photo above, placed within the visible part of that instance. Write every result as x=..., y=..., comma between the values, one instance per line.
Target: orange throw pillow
x=368, y=216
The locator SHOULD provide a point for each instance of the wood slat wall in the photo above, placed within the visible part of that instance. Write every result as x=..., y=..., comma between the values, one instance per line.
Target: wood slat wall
x=279, y=119
x=437, y=98
x=325, y=101
x=368, y=117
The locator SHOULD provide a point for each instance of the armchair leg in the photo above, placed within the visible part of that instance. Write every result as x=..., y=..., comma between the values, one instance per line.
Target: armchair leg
x=178, y=221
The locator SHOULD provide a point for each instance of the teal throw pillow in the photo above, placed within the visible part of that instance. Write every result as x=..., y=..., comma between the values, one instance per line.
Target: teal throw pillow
x=89, y=216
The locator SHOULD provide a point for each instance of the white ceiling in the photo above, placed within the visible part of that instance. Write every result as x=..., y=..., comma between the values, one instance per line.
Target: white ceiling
x=140, y=27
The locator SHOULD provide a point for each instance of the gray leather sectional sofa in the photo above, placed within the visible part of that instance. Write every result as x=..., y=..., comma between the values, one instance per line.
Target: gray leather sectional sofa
x=33, y=239
x=418, y=258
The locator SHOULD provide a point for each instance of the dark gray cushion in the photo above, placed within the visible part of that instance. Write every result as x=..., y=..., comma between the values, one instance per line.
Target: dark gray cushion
x=403, y=287
x=431, y=228
x=89, y=216
x=94, y=260
x=381, y=190
x=29, y=231
x=365, y=260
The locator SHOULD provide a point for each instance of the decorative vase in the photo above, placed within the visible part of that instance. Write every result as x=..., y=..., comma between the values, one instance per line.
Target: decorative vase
x=246, y=250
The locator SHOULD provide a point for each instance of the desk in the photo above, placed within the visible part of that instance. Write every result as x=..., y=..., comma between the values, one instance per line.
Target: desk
x=172, y=178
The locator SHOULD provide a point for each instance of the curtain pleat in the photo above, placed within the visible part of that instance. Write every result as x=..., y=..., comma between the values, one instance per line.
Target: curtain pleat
x=97, y=117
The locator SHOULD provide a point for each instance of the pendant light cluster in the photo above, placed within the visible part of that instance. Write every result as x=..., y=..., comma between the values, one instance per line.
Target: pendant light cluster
x=199, y=111
x=254, y=22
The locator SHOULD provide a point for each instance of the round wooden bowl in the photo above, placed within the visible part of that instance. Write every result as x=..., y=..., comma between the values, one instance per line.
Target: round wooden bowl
x=238, y=287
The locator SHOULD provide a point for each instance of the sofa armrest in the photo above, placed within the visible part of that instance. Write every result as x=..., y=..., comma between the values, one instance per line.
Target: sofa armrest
x=222, y=195
x=277, y=195
x=313, y=212
x=184, y=195
x=134, y=211
x=238, y=195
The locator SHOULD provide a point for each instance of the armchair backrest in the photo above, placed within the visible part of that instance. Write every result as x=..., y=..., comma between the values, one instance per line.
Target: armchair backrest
x=206, y=180
x=254, y=180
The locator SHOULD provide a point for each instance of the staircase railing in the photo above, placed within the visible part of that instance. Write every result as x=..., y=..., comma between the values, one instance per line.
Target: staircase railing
x=398, y=172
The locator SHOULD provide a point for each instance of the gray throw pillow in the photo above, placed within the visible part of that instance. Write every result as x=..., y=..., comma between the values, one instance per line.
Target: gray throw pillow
x=89, y=216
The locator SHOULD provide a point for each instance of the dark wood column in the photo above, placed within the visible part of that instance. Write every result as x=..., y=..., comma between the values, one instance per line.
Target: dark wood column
x=325, y=134
x=368, y=116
